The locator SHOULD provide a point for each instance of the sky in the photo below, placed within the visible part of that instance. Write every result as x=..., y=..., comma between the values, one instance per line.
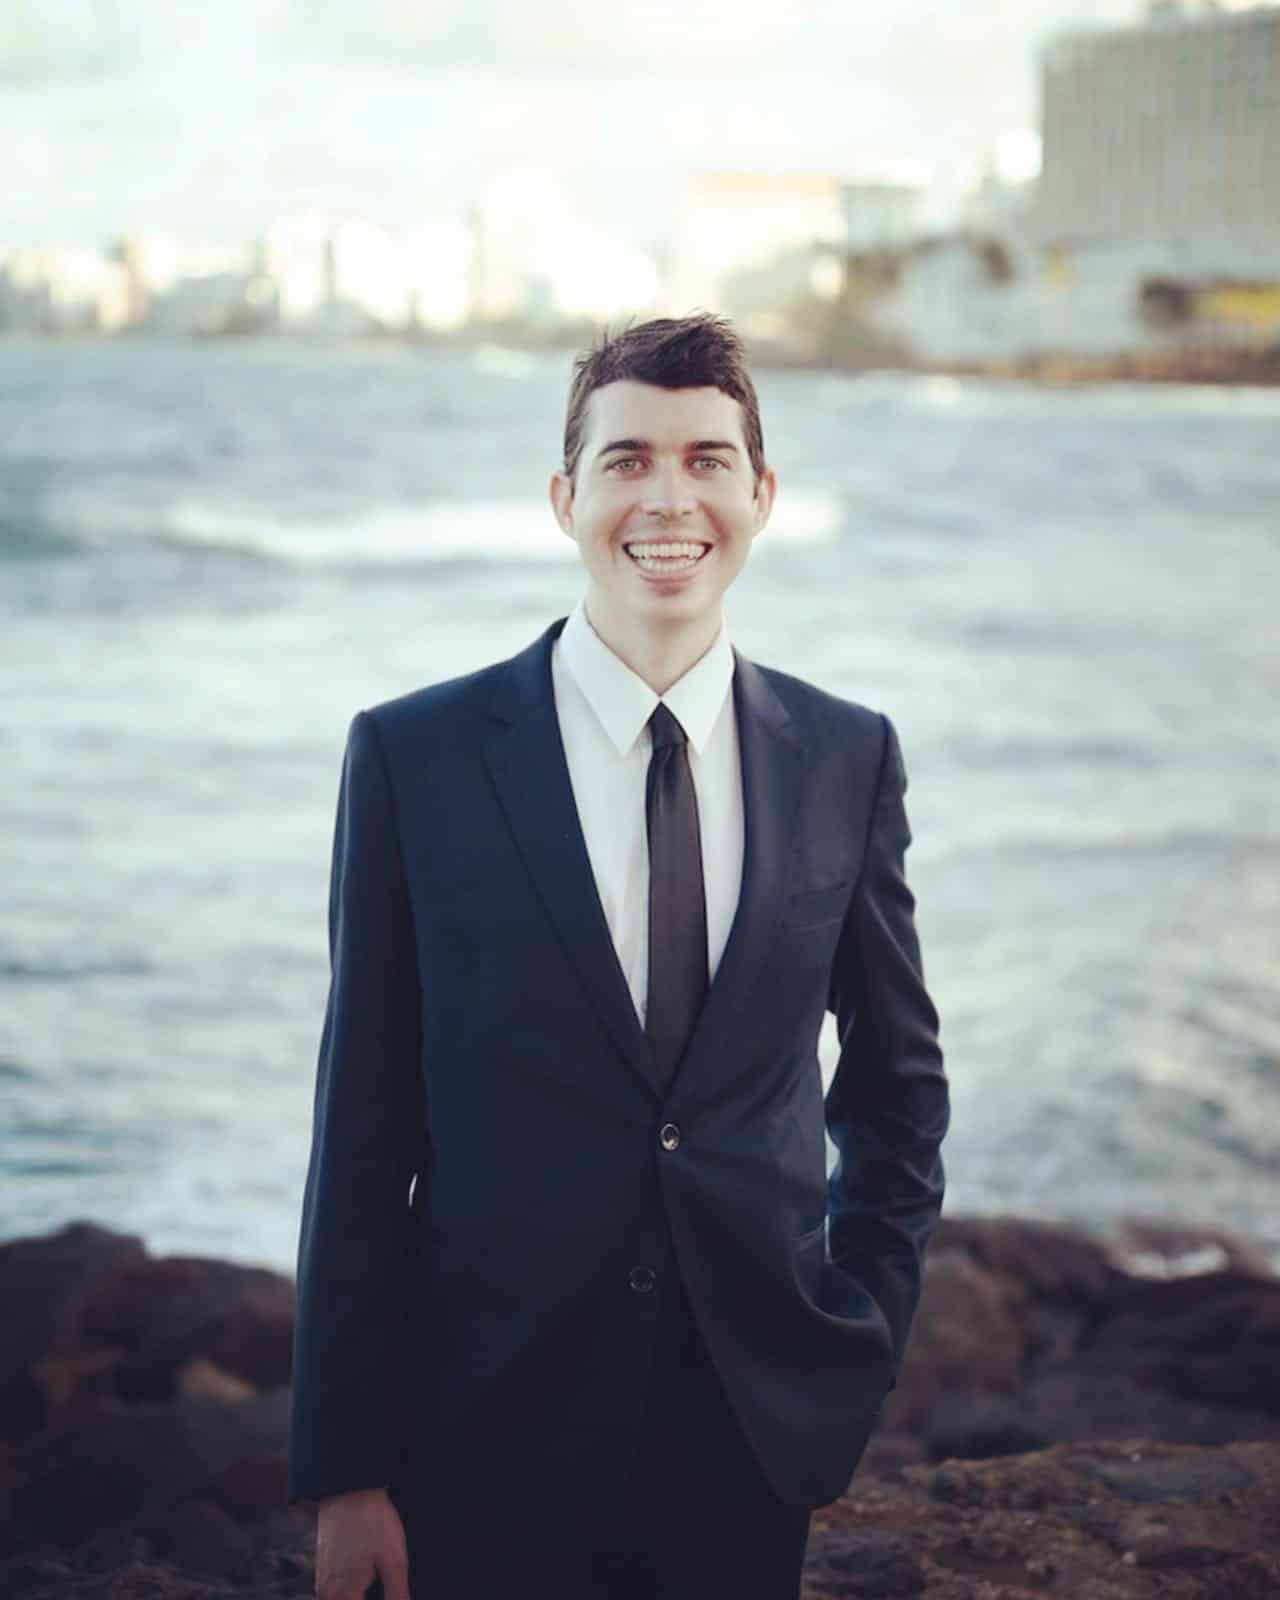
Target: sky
x=120, y=115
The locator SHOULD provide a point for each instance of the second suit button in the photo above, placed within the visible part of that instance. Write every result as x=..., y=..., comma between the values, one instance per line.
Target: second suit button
x=642, y=1279
x=669, y=1136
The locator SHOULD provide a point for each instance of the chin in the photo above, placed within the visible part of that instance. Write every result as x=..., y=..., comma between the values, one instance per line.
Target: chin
x=681, y=608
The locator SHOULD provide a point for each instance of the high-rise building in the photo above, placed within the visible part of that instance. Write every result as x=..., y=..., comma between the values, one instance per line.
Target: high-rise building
x=1164, y=132
x=881, y=215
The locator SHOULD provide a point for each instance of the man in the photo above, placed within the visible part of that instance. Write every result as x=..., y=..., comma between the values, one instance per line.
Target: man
x=579, y=1311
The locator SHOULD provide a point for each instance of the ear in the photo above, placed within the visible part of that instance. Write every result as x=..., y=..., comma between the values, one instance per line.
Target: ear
x=561, y=493
x=765, y=491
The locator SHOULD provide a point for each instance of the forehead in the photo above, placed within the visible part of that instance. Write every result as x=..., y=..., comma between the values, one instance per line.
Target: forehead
x=667, y=417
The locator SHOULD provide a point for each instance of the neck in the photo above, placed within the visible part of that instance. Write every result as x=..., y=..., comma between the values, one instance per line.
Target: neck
x=661, y=656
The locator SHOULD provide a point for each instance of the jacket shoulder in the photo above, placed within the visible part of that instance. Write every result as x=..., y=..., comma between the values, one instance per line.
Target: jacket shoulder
x=440, y=714
x=461, y=693
x=823, y=714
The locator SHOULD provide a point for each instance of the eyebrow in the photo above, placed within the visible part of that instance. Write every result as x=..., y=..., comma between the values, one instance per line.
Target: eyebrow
x=646, y=446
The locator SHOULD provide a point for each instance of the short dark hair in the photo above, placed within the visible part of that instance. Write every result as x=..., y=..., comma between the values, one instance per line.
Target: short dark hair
x=701, y=350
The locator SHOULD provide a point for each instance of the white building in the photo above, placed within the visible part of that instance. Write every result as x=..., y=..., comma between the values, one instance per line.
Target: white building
x=881, y=216
x=64, y=289
x=297, y=256
x=186, y=286
x=1166, y=132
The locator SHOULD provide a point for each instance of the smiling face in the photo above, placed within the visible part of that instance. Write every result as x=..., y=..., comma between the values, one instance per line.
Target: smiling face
x=664, y=506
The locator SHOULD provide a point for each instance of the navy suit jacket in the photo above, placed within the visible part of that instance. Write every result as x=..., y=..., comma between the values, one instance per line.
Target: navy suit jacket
x=487, y=1199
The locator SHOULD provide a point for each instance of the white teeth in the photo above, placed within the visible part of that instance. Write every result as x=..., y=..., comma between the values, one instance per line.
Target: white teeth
x=665, y=551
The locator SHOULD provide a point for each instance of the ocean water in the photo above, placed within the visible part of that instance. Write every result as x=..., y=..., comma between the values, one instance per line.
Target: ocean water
x=211, y=556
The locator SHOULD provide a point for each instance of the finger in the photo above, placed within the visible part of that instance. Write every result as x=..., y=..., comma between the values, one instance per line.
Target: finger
x=348, y=1586
x=395, y=1579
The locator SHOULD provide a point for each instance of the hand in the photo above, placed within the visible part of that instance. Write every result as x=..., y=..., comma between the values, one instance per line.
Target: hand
x=360, y=1538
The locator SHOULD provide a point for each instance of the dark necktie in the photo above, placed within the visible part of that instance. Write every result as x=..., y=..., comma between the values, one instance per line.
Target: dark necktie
x=677, y=902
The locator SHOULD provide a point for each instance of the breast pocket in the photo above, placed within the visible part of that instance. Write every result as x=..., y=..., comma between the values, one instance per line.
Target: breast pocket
x=814, y=908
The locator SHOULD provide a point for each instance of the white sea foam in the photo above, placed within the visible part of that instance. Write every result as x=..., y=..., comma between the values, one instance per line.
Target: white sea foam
x=382, y=535
x=398, y=535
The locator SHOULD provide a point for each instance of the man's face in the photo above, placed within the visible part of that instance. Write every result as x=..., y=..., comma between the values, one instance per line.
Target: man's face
x=661, y=468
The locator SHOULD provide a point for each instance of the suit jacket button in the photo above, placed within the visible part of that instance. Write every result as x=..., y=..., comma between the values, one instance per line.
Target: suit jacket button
x=669, y=1135
x=642, y=1279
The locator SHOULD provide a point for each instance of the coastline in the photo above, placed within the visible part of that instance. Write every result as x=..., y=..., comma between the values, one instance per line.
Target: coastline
x=1240, y=368
x=1221, y=366
x=1090, y=1414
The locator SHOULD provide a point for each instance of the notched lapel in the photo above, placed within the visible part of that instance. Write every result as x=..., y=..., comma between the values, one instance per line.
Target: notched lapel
x=774, y=772
x=525, y=756
x=526, y=759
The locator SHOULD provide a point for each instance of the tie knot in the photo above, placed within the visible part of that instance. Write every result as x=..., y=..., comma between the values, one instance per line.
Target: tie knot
x=665, y=727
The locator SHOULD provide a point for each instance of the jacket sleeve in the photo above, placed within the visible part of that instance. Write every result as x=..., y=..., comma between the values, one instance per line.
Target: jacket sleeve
x=366, y=1138
x=888, y=1106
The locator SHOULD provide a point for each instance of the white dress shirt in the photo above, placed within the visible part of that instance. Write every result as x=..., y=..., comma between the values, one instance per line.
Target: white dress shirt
x=603, y=708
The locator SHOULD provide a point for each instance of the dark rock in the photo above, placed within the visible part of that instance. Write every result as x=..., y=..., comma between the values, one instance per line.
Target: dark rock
x=1073, y=1402
x=1035, y=1260
x=868, y=1565
x=975, y=1425
x=44, y=1283
x=1061, y=1425
x=1113, y=1521
x=166, y=1313
x=197, y=1537
x=249, y=1489
x=29, y=1574
x=87, y=1314
x=200, y=1378
x=1140, y=1475
x=1214, y=1337
x=1027, y=1334
x=100, y=1467
x=142, y=1580
x=1170, y=1550
x=968, y=1335
x=113, y=1549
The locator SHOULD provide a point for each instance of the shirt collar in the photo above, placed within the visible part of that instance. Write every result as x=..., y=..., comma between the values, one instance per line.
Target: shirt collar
x=624, y=702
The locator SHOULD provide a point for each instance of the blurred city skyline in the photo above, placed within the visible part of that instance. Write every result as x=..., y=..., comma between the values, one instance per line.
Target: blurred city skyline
x=123, y=114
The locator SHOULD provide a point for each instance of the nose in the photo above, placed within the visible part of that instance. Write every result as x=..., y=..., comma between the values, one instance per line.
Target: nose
x=667, y=494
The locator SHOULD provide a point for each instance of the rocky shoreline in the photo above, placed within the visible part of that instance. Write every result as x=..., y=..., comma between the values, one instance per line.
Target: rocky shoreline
x=1244, y=368
x=1079, y=1416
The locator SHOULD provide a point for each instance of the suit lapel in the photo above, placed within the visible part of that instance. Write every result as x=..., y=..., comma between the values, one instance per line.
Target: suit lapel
x=774, y=764
x=526, y=759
